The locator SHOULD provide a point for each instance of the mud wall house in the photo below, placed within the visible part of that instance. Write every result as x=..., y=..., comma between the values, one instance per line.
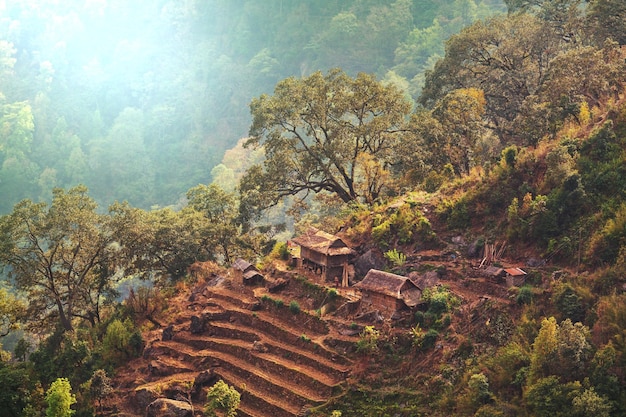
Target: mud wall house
x=388, y=292
x=325, y=254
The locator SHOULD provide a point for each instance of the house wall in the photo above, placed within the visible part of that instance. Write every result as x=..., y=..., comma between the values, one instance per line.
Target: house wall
x=382, y=302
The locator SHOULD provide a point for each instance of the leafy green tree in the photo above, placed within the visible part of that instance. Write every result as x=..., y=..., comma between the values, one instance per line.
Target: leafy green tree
x=121, y=341
x=11, y=312
x=220, y=210
x=461, y=116
x=608, y=19
x=15, y=387
x=504, y=56
x=561, y=349
x=60, y=399
x=315, y=132
x=589, y=403
x=479, y=392
x=222, y=400
x=61, y=255
x=160, y=243
x=548, y=397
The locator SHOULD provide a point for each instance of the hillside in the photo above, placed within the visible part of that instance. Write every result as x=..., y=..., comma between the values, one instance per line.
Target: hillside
x=285, y=361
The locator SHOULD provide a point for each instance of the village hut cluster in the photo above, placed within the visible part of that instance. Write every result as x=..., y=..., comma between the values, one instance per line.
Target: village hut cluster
x=328, y=257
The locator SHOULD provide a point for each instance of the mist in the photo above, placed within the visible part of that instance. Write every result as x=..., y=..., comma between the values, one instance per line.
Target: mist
x=139, y=100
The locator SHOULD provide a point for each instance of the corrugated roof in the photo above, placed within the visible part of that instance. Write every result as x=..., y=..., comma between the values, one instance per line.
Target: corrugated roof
x=516, y=272
x=322, y=242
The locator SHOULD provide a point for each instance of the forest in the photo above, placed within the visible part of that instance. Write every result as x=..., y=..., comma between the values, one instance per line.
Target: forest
x=141, y=138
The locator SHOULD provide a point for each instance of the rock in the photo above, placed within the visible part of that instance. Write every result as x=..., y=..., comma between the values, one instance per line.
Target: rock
x=205, y=378
x=373, y=316
x=458, y=240
x=259, y=347
x=277, y=285
x=256, y=306
x=475, y=249
x=168, y=333
x=144, y=397
x=197, y=324
x=372, y=259
x=534, y=262
x=164, y=407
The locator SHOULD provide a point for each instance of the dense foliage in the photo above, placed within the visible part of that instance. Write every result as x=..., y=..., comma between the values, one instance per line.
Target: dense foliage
x=518, y=131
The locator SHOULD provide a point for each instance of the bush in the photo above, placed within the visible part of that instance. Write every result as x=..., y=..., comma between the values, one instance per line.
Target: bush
x=294, y=307
x=59, y=398
x=280, y=251
x=405, y=225
x=368, y=341
x=121, y=341
x=524, y=295
x=430, y=338
x=222, y=400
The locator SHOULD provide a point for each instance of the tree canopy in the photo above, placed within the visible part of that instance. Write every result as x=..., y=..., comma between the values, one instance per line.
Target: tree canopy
x=329, y=133
x=61, y=255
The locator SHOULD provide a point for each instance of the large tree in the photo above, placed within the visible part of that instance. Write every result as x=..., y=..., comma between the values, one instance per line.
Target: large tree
x=325, y=133
x=61, y=255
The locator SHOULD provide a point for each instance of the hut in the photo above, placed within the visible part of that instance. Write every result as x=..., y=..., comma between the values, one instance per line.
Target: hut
x=249, y=273
x=494, y=273
x=388, y=292
x=324, y=254
x=515, y=277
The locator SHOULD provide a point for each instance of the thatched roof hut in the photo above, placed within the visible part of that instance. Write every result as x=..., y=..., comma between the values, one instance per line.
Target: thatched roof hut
x=324, y=253
x=388, y=292
x=249, y=273
x=243, y=266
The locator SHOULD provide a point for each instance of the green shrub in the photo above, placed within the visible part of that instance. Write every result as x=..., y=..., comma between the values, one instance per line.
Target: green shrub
x=368, y=341
x=294, y=307
x=280, y=251
x=59, y=398
x=430, y=338
x=524, y=295
x=405, y=225
x=222, y=400
x=395, y=257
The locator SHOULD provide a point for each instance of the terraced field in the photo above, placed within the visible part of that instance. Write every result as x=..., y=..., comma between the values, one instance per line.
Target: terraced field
x=277, y=359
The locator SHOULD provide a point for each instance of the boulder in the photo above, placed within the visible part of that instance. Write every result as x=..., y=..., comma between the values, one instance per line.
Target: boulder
x=144, y=397
x=164, y=407
x=475, y=249
x=168, y=333
x=205, y=378
x=372, y=259
x=198, y=324
x=277, y=285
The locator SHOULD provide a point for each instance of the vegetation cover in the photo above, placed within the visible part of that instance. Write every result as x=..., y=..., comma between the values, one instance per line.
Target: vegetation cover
x=514, y=131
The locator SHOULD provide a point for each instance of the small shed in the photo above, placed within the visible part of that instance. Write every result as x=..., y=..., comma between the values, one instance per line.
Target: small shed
x=388, y=292
x=325, y=254
x=515, y=277
x=249, y=273
x=494, y=273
